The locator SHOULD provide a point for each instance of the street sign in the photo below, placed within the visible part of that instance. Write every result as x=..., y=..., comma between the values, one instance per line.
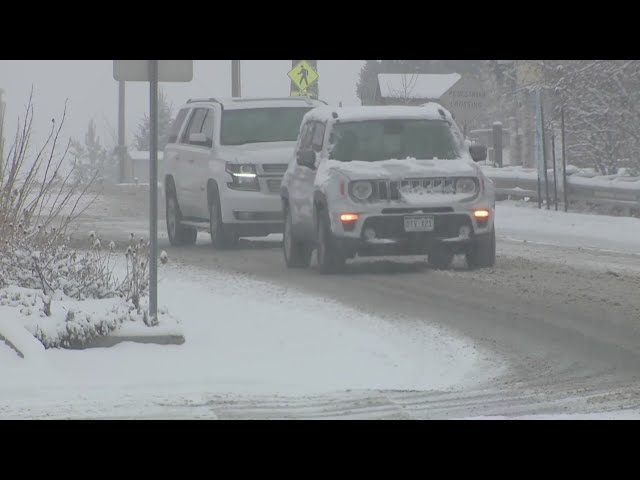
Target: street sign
x=304, y=78
x=138, y=70
x=466, y=99
x=528, y=73
x=153, y=71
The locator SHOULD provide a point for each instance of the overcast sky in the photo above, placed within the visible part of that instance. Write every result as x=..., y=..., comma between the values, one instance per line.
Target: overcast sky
x=93, y=93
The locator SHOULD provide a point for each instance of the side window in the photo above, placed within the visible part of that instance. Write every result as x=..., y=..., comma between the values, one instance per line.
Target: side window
x=195, y=124
x=207, y=126
x=318, y=137
x=307, y=135
x=177, y=125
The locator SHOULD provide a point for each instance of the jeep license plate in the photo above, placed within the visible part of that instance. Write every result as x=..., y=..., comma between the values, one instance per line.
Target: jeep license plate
x=418, y=224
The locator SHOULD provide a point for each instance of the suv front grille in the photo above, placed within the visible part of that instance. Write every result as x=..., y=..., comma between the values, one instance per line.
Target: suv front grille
x=390, y=189
x=273, y=185
x=274, y=167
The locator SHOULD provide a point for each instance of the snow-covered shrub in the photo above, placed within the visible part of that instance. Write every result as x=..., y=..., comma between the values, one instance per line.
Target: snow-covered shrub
x=41, y=260
x=71, y=324
x=136, y=282
x=38, y=268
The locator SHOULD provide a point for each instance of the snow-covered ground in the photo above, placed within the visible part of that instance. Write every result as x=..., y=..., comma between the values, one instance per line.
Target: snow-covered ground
x=242, y=337
x=615, y=415
x=524, y=221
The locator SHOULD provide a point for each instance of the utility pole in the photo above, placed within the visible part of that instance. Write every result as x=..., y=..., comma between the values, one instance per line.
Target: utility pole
x=122, y=149
x=2, y=110
x=235, y=79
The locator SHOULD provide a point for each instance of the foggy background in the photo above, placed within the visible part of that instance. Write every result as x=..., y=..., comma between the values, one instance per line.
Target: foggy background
x=93, y=93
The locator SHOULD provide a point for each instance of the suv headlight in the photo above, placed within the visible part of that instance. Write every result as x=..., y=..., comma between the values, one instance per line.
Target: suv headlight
x=243, y=176
x=466, y=186
x=362, y=190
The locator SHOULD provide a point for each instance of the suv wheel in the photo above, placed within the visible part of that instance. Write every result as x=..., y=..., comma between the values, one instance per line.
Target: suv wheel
x=440, y=256
x=222, y=235
x=178, y=233
x=296, y=253
x=330, y=258
x=483, y=252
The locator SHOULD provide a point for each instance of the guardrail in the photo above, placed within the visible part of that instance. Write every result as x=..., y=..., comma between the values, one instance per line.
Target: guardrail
x=587, y=187
x=519, y=182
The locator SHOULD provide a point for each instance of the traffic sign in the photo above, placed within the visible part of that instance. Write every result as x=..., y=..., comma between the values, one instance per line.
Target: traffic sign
x=138, y=70
x=304, y=75
x=528, y=73
x=466, y=99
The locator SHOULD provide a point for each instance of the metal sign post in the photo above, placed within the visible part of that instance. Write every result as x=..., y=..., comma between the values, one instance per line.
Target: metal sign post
x=153, y=71
x=564, y=162
x=538, y=143
x=153, y=191
x=235, y=79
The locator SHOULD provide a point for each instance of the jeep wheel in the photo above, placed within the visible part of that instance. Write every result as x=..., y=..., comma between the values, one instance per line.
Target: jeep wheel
x=330, y=258
x=483, y=252
x=296, y=253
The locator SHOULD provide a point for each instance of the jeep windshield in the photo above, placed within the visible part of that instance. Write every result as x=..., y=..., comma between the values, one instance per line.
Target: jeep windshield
x=257, y=125
x=377, y=140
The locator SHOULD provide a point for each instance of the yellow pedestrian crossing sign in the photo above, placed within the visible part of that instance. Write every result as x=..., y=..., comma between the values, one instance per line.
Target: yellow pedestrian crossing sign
x=302, y=76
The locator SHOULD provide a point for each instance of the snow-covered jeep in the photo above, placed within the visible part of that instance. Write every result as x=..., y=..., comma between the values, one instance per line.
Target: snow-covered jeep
x=378, y=181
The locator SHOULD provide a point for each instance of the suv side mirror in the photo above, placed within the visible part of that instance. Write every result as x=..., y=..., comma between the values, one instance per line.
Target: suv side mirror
x=478, y=152
x=306, y=158
x=199, y=139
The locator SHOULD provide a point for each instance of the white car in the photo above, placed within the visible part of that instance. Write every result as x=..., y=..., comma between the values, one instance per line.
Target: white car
x=224, y=162
x=377, y=181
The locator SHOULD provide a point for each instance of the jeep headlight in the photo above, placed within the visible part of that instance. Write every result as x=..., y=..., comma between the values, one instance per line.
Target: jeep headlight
x=243, y=176
x=362, y=190
x=466, y=186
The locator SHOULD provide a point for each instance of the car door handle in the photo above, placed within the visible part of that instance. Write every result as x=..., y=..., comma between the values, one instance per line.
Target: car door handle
x=177, y=158
x=191, y=160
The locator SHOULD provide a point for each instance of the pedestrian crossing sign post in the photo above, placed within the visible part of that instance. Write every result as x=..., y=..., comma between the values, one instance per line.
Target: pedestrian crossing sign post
x=304, y=78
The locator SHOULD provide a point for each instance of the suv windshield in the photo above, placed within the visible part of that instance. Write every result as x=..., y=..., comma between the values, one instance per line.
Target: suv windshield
x=376, y=140
x=256, y=125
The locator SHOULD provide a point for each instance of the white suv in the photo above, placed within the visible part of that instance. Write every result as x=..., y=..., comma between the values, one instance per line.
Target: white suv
x=224, y=162
x=377, y=181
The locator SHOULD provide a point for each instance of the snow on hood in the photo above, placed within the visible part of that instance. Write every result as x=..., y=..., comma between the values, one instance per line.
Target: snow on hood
x=265, y=152
x=400, y=169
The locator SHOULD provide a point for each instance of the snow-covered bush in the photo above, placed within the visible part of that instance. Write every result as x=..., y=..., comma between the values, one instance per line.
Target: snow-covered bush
x=136, y=282
x=40, y=259
x=39, y=271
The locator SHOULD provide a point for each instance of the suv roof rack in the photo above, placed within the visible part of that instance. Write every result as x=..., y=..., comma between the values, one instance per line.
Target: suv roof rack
x=193, y=100
x=258, y=99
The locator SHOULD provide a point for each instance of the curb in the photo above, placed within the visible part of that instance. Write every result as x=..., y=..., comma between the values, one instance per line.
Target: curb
x=111, y=340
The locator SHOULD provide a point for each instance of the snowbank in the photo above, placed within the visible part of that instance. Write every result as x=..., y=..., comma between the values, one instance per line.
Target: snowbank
x=73, y=323
x=244, y=337
x=524, y=221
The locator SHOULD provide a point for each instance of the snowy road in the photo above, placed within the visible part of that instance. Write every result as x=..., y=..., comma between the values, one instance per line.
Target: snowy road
x=560, y=307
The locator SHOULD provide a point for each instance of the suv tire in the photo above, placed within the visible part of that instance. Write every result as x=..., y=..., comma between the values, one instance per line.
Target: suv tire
x=222, y=235
x=178, y=233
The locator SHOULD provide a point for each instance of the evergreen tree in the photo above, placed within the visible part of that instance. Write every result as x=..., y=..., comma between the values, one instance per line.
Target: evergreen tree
x=165, y=120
